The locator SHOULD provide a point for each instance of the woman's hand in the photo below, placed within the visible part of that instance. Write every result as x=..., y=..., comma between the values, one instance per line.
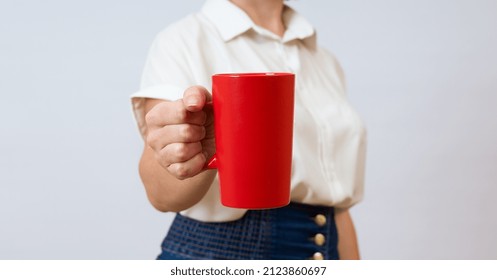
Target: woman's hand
x=181, y=133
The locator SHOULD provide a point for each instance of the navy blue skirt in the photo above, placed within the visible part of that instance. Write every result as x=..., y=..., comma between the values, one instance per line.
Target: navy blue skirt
x=297, y=231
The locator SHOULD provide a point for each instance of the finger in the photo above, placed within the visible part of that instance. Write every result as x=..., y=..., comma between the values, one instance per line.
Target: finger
x=195, y=98
x=177, y=133
x=188, y=168
x=167, y=113
x=178, y=152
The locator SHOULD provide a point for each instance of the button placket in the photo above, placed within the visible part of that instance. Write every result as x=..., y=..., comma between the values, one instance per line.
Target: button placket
x=292, y=56
x=319, y=238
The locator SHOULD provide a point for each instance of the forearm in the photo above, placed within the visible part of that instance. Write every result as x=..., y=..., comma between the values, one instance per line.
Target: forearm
x=348, y=248
x=167, y=193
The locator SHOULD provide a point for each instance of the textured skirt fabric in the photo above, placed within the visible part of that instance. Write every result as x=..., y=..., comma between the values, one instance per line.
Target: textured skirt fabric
x=286, y=233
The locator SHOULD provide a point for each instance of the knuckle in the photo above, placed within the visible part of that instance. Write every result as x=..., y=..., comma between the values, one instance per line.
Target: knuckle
x=181, y=113
x=181, y=152
x=181, y=171
x=159, y=157
x=162, y=156
x=187, y=132
x=150, y=118
x=152, y=138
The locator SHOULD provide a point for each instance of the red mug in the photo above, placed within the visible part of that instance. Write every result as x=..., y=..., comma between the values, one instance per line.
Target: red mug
x=253, y=124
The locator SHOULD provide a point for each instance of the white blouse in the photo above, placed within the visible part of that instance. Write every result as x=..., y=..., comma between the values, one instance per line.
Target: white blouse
x=329, y=137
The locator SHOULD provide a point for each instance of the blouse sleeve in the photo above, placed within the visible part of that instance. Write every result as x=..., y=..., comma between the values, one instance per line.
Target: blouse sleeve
x=165, y=76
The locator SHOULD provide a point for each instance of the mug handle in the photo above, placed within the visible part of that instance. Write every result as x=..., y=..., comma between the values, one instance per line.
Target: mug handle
x=211, y=163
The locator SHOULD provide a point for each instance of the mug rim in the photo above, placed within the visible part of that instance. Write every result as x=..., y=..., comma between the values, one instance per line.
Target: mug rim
x=254, y=74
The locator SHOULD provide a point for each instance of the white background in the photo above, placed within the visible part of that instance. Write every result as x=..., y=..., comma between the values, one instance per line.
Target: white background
x=422, y=74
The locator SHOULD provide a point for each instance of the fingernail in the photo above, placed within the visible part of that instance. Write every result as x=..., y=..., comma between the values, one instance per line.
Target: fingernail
x=192, y=101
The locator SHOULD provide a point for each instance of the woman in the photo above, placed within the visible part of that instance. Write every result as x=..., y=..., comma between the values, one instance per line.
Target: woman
x=329, y=139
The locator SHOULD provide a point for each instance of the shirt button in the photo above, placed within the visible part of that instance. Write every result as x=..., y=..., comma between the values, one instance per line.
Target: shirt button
x=318, y=256
x=319, y=239
x=320, y=220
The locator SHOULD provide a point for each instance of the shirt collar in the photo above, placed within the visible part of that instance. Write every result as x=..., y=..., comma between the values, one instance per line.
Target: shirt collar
x=232, y=21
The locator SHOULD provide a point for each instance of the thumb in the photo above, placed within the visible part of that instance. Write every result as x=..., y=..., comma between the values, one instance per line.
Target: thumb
x=195, y=98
